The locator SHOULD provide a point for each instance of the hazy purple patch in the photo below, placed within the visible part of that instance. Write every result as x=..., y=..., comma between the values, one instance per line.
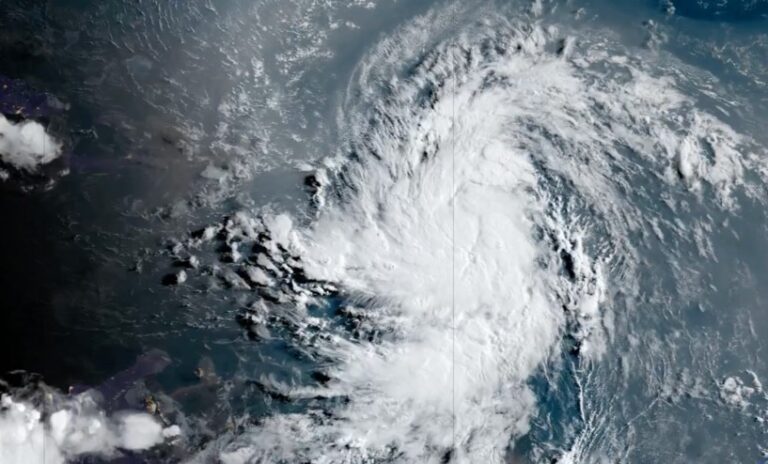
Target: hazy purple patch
x=19, y=101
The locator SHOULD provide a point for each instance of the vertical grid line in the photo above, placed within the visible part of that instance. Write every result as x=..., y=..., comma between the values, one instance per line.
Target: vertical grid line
x=45, y=445
x=453, y=235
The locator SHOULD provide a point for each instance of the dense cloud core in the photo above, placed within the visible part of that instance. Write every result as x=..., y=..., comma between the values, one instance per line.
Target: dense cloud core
x=26, y=145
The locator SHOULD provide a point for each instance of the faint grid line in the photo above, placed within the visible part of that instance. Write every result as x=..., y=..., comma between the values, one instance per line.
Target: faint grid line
x=453, y=235
x=45, y=445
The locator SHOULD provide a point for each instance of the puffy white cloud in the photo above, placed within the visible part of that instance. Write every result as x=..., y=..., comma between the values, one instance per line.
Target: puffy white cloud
x=26, y=145
x=77, y=427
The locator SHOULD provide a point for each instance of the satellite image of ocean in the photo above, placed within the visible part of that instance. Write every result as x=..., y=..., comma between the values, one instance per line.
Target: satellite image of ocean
x=383, y=231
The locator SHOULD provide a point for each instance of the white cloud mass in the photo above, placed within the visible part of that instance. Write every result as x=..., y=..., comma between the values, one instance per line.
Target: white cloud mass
x=77, y=427
x=26, y=145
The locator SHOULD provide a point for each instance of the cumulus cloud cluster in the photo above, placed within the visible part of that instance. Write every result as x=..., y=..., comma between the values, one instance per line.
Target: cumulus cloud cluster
x=76, y=427
x=26, y=145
